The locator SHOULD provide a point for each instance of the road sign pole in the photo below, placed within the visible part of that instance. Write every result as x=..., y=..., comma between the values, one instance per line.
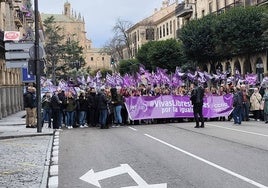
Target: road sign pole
x=37, y=64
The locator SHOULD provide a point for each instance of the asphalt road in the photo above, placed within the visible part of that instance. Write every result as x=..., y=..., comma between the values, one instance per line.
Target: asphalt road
x=172, y=155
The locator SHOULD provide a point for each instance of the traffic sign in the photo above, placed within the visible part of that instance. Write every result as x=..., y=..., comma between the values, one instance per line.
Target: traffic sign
x=16, y=64
x=17, y=55
x=12, y=35
x=32, y=52
x=26, y=77
x=18, y=46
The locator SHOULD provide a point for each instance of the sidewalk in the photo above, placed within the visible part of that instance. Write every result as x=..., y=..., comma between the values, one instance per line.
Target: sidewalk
x=25, y=154
x=13, y=126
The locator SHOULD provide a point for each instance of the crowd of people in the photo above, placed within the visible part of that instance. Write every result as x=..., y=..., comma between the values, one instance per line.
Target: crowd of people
x=104, y=106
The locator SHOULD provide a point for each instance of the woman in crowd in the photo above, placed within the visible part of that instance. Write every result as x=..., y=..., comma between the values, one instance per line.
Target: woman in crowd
x=117, y=102
x=255, y=104
x=70, y=110
x=82, y=108
x=265, y=106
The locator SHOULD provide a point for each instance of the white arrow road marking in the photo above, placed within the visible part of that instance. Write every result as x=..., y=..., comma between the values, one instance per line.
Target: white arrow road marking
x=94, y=178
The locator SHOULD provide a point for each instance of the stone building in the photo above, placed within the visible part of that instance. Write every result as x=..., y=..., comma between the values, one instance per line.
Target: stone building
x=195, y=9
x=73, y=27
x=14, y=16
x=166, y=23
x=161, y=25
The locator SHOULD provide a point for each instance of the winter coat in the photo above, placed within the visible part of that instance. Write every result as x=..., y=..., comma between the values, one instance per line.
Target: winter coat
x=265, y=98
x=255, y=101
x=70, y=104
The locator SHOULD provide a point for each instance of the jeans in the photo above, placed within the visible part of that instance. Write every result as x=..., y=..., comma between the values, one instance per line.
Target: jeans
x=103, y=117
x=82, y=117
x=70, y=118
x=237, y=114
x=245, y=111
x=117, y=114
x=46, y=117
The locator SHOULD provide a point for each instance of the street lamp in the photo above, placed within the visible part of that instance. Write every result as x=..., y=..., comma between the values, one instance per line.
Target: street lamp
x=259, y=70
x=76, y=64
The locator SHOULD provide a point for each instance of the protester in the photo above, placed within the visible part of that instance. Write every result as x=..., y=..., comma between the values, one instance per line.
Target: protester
x=265, y=106
x=117, y=102
x=255, y=104
x=82, y=108
x=70, y=110
x=197, y=95
x=30, y=105
x=62, y=116
x=246, y=103
x=237, y=104
x=102, y=107
x=47, y=110
x=56, y=105
x=93, y=107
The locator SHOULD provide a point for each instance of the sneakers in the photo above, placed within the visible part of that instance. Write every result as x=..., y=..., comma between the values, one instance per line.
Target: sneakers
x=70, y=127
x=81, y=126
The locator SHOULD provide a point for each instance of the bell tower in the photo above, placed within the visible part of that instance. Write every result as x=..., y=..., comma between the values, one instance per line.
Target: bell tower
x=67, y=9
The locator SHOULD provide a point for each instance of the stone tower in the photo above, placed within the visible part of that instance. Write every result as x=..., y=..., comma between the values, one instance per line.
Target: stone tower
x=67, y=9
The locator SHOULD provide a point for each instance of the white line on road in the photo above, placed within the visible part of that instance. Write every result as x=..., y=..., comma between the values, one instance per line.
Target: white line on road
x=247, y=132
x=133, y=129
x=210, y=163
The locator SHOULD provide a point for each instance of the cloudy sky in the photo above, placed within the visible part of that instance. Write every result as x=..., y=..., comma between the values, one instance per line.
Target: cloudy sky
x=101, y=15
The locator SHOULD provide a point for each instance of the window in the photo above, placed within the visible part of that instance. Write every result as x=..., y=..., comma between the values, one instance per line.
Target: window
x=170, y=25
x=167, y=28
x=209, y=8
x=102, y=58
x=160, y=32
x=92, y=58
x=150, y=34
x=203, y=13
x=164, y=30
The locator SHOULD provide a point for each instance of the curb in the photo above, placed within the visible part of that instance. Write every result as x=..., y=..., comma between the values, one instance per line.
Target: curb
x=53, y=176
x=25, y=135
x=44, y=181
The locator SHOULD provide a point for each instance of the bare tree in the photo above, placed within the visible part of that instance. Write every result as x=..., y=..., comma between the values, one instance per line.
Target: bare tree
x=121, y=36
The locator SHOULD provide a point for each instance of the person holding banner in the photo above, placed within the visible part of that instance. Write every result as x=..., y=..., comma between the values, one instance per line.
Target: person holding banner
x=197, y=95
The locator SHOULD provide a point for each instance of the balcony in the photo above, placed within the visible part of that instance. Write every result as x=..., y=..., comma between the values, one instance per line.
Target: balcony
x=18, y=18
x=262, y=2
x=182, y=10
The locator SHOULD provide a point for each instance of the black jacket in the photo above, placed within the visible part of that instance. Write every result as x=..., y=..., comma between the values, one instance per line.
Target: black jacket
x=197, y=95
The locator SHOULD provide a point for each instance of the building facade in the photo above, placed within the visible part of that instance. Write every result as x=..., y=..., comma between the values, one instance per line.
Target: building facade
x=161, y=25
x=73, y=28
x=193, y=9
x=15, y=15
x=167, y=22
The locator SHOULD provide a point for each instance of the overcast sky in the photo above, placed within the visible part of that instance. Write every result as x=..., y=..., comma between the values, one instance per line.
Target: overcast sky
x=101, y=15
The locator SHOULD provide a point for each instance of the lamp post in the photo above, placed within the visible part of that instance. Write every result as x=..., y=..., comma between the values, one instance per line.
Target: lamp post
x=37, y=66
x=76, y=64
x=259, y=70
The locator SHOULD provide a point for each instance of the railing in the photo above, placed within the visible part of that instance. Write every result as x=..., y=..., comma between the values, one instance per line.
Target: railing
x=262, y=2
x=183, y=9
x=18, y=18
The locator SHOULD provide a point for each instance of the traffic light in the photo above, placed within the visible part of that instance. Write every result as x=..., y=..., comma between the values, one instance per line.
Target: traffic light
x=112, y=61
